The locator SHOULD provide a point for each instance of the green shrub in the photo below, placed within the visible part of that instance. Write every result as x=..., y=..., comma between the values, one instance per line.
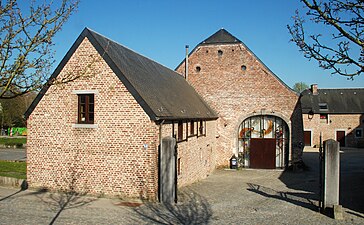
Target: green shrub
x=18, y=142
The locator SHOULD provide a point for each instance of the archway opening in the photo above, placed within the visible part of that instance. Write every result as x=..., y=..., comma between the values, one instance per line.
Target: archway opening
x=263, y=142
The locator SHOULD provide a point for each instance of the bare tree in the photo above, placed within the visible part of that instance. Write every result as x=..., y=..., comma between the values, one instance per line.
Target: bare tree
x=27, y=29
x=343, y=51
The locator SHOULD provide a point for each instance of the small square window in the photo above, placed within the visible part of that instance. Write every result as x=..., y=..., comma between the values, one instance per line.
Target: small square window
x=359, y=132
x=324, y=118
x=323, y=107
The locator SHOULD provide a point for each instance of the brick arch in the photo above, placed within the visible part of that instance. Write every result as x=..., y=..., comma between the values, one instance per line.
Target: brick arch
x=242, y=118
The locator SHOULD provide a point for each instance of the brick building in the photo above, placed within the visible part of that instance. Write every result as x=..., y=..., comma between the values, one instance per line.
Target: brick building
x=335, y=113
x=100, y=133
x=259, y=116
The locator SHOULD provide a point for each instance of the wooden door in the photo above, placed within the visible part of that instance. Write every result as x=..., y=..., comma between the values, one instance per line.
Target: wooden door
x=340, y=137
x=263, y=153
x=307, y=138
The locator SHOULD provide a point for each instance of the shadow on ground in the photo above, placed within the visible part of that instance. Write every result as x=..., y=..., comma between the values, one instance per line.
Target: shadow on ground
x=60, y=201
x=301, y=199
x=306, y=182
x=352, y=179
x=23, y=187
x=191, y=208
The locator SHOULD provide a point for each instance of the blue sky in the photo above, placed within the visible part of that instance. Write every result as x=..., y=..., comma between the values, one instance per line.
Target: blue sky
x=161, y=29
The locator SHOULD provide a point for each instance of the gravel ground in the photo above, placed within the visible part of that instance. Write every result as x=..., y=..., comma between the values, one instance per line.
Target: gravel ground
x=226, y=197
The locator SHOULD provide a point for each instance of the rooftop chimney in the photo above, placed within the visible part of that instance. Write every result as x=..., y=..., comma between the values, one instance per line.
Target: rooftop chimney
x=314, y=89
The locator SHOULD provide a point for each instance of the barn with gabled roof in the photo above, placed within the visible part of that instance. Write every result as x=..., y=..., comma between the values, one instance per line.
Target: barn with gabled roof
x=100, y=133
x=259, y=115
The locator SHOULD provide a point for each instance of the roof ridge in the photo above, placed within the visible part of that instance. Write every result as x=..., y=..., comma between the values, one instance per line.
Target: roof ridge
x=116, y=42
x=341, y=88
x=221, y=36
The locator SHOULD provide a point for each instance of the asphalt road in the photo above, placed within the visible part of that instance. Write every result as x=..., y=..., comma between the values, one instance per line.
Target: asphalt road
x=226, y=197
x=13, y=154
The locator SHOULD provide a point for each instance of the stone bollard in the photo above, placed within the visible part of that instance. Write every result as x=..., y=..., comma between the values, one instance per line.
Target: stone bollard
x=331, y=176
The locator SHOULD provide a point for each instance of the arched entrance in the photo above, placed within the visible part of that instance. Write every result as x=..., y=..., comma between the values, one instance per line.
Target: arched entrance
x=263, y=142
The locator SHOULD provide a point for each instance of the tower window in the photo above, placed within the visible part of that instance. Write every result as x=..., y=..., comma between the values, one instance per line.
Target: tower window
x=219, y=53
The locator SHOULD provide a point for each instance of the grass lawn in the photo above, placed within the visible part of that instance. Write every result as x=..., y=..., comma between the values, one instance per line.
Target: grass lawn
x=13, y=141
x=13, y=169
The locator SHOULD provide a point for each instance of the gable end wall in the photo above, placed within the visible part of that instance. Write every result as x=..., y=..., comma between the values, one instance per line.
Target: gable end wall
x=235, y=93
x=119, y=157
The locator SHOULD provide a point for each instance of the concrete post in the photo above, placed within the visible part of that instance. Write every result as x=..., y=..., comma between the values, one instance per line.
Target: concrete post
x=331, y=173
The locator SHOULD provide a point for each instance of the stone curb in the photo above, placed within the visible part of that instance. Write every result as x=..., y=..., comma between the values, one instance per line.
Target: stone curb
x=13, y=182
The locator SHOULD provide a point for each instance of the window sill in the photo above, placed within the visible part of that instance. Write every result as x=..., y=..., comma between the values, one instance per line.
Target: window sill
x=83, y=125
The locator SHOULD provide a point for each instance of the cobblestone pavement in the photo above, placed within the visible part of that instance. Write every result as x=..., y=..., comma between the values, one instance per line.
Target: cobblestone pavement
x=13, y=154
x=226, y=197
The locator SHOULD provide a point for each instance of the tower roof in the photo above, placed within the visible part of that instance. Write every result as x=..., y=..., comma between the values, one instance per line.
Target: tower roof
x=222, y=36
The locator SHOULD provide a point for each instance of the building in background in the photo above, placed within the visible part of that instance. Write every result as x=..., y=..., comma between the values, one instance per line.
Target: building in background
x=335, y=113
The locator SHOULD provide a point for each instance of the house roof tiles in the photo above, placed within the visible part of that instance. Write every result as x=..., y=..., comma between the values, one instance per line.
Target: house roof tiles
x=338, y=101
x=161, y=92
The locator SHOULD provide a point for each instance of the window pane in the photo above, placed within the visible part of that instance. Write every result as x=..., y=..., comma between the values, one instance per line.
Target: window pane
x=255, y=127
x=180, y=131
x=91, y=108
x=83, y=117
x=91, y=99
x=82, y=98
x=91, y=117
x=268, y=127
x=82, y=108
x=192, y=128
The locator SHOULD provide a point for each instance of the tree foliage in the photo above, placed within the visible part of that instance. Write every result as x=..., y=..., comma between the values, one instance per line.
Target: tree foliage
x=342, y=51
x=12, y=110
x=27, y=29
x=299, y=87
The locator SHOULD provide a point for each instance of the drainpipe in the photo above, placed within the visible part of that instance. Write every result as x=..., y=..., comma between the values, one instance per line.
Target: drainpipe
x=186, y=63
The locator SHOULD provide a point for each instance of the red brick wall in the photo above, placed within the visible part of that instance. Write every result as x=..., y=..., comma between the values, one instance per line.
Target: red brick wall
x=236, y=93
x=196, y=152
x=336, y=122
x=110, y=159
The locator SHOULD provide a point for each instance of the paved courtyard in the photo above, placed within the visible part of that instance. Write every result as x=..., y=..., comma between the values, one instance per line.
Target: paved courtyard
x=226, y=197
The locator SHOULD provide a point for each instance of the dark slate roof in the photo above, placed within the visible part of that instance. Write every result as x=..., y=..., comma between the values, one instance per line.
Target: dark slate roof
x=222, y=36
x=339, y=101
x=161, y=92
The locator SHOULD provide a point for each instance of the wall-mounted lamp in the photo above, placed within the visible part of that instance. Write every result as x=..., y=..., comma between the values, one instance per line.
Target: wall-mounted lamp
x=310, y=114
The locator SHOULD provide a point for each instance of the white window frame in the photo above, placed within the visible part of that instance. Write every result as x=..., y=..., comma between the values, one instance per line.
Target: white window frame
x=81, y=125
